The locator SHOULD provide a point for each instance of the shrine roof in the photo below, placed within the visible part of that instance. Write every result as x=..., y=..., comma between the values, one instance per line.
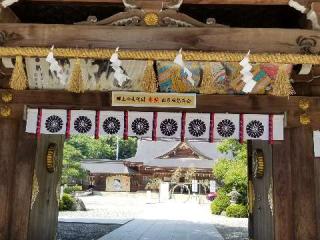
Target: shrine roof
x=106, y=166
x=176, y=154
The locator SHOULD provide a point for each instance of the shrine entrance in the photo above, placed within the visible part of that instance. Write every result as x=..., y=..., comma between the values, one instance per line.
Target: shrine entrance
x=153, y=69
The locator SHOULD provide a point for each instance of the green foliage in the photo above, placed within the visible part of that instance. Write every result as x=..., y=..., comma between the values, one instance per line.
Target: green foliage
x=177, y=174
x=81, y=147
x=153, y=184
x=221, y=202
x=221, y=168
x=190, y=175
x=67, y=203
x=103, y=148
x=237, y=211
x=238, y=151
x=72, y=189
x=232, y=172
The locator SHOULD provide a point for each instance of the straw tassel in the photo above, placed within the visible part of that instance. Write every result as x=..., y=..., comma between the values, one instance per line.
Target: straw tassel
x=281, y=86
x=19, y=79
x=150, y=83
x=177, y=83
x=76, y=82
x=209, y=85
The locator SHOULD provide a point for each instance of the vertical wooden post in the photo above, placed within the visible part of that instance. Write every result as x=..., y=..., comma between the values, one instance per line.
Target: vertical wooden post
x=44, y=214
x=303, y=184
x=9, y=132
x=282, y=189
x=23, y=174
x=294, y=186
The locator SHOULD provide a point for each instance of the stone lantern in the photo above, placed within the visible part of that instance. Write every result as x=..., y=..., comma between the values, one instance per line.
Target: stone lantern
x=234, y=195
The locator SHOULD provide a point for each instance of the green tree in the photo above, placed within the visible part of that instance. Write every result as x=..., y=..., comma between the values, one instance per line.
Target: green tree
x=71, y=168
x=80, y=147
x=232, y=172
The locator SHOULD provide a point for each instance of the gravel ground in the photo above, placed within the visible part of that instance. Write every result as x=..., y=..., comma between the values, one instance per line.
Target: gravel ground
x=83, y=231
x=231, y=228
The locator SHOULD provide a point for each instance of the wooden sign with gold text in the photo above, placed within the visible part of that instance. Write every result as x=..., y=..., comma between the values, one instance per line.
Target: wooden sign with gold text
x=141, y=99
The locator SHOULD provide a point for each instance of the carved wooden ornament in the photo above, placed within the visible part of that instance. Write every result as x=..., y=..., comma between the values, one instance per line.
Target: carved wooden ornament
x=51, y=157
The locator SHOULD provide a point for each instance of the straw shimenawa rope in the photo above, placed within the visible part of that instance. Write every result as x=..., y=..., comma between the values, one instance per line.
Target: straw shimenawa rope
x=160, y=55
x=18, y=79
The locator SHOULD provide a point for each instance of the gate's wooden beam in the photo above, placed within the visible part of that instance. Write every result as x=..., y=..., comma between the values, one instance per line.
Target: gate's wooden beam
x=250, y=2
x=258, y=40
x=205, y=103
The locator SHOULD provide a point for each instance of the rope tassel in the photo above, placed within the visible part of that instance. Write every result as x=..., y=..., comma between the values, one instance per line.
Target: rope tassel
x=19, y=79
x=76, y=83
x=150, y=83
x=281, y=86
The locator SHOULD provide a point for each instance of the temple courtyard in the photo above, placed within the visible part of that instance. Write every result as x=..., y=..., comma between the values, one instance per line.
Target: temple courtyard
x=117, y=216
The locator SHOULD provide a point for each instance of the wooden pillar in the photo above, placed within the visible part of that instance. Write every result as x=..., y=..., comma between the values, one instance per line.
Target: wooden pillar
x=23, y=174
x=294, y=186
x=282, y=189
x=44, y=214
x=9, y=132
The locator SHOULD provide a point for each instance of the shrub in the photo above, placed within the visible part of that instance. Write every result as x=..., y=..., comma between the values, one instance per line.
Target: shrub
x=221, y=202
x=237, y=211
x=72, y=189
x=153, y=184
x=67, y=203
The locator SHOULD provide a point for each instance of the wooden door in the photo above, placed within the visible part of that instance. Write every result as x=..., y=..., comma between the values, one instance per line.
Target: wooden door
x=260, y=192
x=44, y=213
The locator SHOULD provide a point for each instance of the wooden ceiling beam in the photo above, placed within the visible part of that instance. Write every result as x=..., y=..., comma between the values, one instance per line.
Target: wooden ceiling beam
x=241, y=2
x=258, y=40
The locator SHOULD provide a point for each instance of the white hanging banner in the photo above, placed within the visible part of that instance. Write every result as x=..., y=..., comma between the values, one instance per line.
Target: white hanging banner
x=140, y=124
x=316, y=143
x=53, y=121
x=32, y=120
x=111, y=123
x=256, y=126
x=212, y=186
x=278, y=127
x=169, y=125
x=226, y=126
x=197, y=126
x=165, y=125
x=82, y=122
x=194, y=186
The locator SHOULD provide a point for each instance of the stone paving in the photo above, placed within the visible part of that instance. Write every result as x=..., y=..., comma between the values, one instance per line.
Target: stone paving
x=172, y=220
x=168, y=221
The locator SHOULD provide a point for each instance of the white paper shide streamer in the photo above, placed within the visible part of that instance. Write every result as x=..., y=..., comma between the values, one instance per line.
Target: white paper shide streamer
x=247, y=75
x=119, y=74
x=7, y=3
x=179, y=61
x=55, y=68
